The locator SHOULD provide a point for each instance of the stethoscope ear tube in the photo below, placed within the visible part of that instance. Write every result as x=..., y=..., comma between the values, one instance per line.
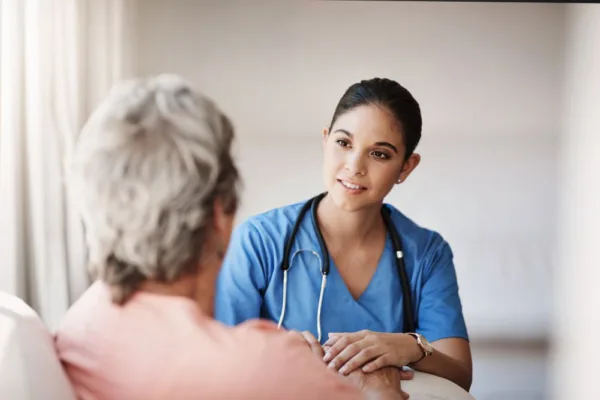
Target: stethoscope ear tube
x=290, y=240
x=324, y=249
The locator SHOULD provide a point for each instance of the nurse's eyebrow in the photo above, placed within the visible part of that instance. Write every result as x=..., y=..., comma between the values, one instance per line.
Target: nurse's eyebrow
x=384, y=144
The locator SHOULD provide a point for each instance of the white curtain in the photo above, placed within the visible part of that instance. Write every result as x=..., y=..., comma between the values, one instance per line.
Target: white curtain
x=576, y=326
x=59, y=58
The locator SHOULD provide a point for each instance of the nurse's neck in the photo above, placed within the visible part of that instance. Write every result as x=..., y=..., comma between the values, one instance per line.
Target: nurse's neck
x=356, y=227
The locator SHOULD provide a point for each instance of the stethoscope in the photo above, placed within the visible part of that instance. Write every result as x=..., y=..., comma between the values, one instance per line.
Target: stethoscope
x=409, y=321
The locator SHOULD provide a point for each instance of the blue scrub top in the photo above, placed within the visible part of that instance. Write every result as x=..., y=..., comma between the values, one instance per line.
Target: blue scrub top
x=250, y=284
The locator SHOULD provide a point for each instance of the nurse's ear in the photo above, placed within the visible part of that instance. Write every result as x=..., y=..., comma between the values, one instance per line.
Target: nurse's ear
x=325, y=134
x=408, y=167
x=222, y=224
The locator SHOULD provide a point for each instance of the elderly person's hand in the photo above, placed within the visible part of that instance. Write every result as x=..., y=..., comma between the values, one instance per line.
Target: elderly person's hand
x=381, y=384
x=312, y=342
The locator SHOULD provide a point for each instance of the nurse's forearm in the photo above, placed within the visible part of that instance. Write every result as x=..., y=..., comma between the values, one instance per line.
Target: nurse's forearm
x=446, y=367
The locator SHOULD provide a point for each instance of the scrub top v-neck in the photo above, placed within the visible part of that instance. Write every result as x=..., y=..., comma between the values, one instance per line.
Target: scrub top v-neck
x=250, y=284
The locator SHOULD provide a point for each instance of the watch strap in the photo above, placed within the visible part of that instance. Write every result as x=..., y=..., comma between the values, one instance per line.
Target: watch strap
x=418, y=339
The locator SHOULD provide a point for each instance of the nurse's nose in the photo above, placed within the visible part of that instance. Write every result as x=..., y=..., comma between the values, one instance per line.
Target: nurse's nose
x=355, y=163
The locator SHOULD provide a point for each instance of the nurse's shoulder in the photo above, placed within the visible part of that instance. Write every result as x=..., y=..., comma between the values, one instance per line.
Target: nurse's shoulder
x=262, y=237
x=275, y=222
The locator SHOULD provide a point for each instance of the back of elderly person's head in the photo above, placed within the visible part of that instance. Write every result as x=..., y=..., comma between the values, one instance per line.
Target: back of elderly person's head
x=146, y=173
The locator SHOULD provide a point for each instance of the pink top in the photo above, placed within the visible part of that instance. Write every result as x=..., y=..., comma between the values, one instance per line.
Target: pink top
x=163, y=347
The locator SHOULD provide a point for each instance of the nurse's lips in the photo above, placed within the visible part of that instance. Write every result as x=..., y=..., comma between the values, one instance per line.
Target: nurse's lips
x=351, y=186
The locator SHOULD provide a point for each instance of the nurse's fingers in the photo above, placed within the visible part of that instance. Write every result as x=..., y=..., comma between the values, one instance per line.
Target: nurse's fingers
x=353, y=336
x=361, y=358
x=338, y=346
x=351, y=350
x=380, y=362
x=339, y=341
x=332, y=340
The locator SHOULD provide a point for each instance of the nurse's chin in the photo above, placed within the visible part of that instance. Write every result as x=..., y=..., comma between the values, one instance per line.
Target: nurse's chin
x=350, y=203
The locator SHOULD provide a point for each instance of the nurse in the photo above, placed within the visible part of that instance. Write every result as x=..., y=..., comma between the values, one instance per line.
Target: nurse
x=358, y=310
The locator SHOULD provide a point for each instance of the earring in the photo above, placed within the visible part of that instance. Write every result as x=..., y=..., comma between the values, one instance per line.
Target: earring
x=399, y=181
x=221, y=253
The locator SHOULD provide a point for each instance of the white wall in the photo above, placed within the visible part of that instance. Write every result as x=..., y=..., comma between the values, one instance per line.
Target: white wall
x=489, y=81
x=279, y=68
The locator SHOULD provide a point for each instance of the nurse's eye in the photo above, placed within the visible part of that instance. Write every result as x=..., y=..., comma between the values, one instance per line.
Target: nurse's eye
x=343, y=142
x=381, y=155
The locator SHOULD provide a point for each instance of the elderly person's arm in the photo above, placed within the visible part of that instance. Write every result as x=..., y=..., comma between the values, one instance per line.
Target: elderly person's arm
x=382, y=384
x=302, y=372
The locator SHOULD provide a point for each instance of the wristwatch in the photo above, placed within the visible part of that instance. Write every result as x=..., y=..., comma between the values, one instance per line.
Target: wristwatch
x=423, y=344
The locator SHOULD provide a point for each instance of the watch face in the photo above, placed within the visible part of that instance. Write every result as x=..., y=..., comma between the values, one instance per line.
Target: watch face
x=426, y=344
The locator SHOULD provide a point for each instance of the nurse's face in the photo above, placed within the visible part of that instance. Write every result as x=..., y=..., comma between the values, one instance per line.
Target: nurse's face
x=364, y=157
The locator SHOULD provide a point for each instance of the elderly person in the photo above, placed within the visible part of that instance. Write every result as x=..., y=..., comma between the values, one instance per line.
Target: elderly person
x=155, y=184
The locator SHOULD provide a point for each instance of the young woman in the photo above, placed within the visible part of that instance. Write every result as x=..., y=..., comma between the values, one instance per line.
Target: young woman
x=374, y=287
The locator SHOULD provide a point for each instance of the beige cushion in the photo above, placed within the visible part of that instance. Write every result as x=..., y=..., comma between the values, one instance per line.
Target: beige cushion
x=29, y=367
x=430, y=387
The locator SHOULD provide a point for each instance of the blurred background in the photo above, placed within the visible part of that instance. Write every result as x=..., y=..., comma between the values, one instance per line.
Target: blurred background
x=509, y=94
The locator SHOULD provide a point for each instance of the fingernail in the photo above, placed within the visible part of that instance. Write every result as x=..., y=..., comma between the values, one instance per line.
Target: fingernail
x=327, y=357
x=367, y=368
x=344, y=370
x=331, y=365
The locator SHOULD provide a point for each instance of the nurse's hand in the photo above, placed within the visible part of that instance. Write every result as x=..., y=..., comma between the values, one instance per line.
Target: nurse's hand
x=370, y=351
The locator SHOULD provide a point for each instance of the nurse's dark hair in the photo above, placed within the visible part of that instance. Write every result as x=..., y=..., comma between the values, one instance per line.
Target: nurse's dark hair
x=395, y=98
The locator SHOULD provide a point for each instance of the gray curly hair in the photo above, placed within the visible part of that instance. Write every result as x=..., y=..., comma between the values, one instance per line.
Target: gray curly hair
x=145, y=173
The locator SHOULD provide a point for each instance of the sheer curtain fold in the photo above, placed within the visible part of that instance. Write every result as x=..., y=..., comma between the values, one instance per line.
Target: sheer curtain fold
x=59, y=58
